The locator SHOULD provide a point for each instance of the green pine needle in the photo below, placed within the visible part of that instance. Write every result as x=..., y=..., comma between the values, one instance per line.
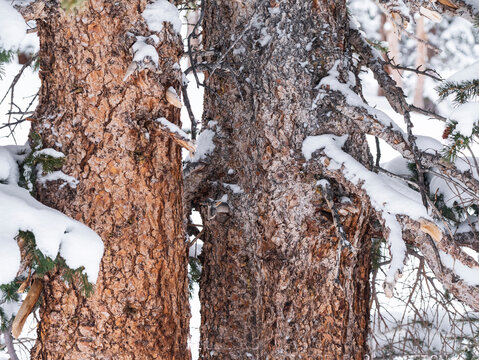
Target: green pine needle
x=194, y=274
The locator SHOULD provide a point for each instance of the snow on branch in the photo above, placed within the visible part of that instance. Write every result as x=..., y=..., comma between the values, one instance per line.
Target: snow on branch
x=375, y=122
x=397, y=12
x=332, y=83
x=55, y=233
x=468, y=9
x=178, y=135
x=403, y=217
x=13, y=27
x=387, y=197
x=159, y=12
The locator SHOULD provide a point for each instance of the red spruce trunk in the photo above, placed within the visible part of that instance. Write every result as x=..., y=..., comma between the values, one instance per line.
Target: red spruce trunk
x=129, y=191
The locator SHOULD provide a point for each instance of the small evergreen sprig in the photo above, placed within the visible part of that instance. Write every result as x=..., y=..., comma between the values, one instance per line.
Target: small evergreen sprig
x=463, y=91
x=8, y=294
x=379, y=45
x=5, y=57
x=456, y=142
x=49, y=163
x=40, y=265
x=194, y=273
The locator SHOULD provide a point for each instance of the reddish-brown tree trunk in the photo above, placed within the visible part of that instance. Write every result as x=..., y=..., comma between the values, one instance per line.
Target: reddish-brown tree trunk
x=129, y=190
x=269, y=288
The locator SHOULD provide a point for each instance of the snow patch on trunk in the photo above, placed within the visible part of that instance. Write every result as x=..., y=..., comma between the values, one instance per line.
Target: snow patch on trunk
x=161, y=11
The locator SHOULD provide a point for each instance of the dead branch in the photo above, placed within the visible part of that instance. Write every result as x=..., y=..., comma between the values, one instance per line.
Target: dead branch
x=369, y=124
x=181, y=140
x=7, y=336
x=417, y=159
x=33, y=11
x=427, y=72
x=27, y=307
x=186, y=99
x=427, y=112
x=373, y=61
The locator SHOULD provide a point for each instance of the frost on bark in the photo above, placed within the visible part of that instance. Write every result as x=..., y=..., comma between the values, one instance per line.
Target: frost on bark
x=129, y=190
x=270, y=287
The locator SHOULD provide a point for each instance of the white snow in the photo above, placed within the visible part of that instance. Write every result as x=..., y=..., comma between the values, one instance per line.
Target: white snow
x=54, y=232
x=10, y=258
x=469, y=275
x=465, y=226
x=8, y=167
x=467, y=116
x=470, y=72
x=234, y=187
x=428, y=144
x=54, y=176
x=161, y=11
x=12, y=26
x=265, y=37
x=172, y=127
x=331, y=82
x=142, y=50
x=205, y=145
x=398, y=166
x=49, y=152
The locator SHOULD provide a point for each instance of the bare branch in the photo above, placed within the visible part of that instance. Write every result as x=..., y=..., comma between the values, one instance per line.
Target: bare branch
x=427, y=72
x=427, y=112
x=371, y=57
x=7, y=336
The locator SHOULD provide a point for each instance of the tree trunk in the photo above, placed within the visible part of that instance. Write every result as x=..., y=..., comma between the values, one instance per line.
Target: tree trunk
x=421, y=59
x=270, y=287
x=392, y=39
x=129, y=190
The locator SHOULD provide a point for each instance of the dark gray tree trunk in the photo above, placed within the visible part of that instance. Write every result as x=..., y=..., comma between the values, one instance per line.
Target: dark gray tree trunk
x=269, y=288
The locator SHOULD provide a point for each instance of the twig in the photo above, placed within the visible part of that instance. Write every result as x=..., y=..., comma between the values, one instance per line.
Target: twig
x=17, y=77
x=420, y=171
x=378, y=151
x=193, y=35
x=7, y=335
x=427, y=72
x=427, y=112
x=187, y=103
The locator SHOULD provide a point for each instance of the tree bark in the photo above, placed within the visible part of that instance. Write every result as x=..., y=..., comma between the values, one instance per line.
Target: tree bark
x=421, y=59
x=129, y=190
x=269, y=287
